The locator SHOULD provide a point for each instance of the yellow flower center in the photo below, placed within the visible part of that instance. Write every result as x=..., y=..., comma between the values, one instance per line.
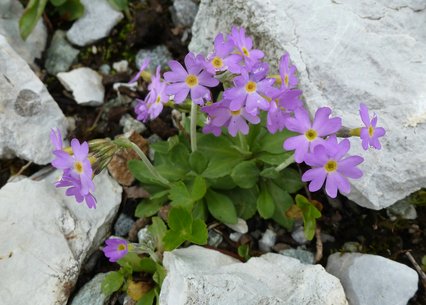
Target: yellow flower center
x=250, y=87
x=311, y=135
x=371, y=131
x=78, y=166
x=330, y=166
x=236, y=112
x=158, y=100
x=286, y=80
x=245, y=51
x=121, y=247
x=191, y=80
x=217, y=62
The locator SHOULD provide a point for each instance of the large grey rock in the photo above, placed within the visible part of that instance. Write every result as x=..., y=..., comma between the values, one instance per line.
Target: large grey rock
x=183, y=12
x=60, y=54
x=45, y=236
x=347, y=52
x=27, y=111
x=197, y=275
x=85, y=84
x=98, y=20
x=10, y=13
x=91, y=292
x=373, y=280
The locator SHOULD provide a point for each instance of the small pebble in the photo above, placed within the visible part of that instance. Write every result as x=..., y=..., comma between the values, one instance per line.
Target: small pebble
x=267, y=241
x=130, y=124
x=352, y=246
x=214, y=239
x=235, y=236
x=299, y=236
x=121, y=66
x=304, y=256
x=123, y=225
x=240, y=227
x=105, y=69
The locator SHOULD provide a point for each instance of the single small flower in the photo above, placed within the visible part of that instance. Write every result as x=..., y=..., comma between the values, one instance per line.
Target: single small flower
x=115, y=249
x=311, y=133
x=370, y=134
x=77, y=165
x=221, y=58
x=75, y=190
x=330, y=165
x=244, y=46
x=235, y=120
x=193, y=80
x=287, y=72
x=282, y=103
x=250, y=89
x=144, y=65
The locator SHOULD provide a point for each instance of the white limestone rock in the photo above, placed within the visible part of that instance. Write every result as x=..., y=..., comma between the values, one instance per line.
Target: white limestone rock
x=45, y=237
x=10, y=13
x=347, y=52
x=196, y=275
x=98, y=20
x=373, y=280
x=85, y=84
x=27, y=111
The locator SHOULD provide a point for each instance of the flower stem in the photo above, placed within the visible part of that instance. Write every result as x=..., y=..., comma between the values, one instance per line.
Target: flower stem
x=286, y=163
x=243, y=142
x=193, y=127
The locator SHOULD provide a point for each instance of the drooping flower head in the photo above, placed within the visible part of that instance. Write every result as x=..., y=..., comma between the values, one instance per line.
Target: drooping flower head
x=287, y=72
x=145, y=64
x=75, y=190
x=151, y=107
x=311, y=133
x=222, y=58
x=370, y=134
x=193, y=80
x=330, y=165
x=115, y=249
x=250, y=89
x=235, y=120
x=244, y=45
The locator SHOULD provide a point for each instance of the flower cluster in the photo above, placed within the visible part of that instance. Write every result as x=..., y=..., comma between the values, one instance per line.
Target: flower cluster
x=77, y=169
x=248, y=90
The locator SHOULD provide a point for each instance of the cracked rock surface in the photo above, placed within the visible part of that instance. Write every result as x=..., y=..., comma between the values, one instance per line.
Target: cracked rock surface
x=197, y=275
x=27, y=111
x=45, y=237
x=347, y=52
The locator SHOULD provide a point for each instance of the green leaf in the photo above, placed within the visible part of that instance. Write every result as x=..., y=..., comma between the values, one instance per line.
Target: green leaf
x=159, y=275
x=198, y=162
x=289, y=180
x=222, y=183
x=199, y=210
x=199, y=188
x=244, y=201
x=71, y=10
x=119, y=5
x=180, y=220
x=179, y=195
x=265, y=203
x=172, y=240
x=270, y=172
x=158, y=230
x=147, y=265
x=171, y=173
x=148, y=207
x=147, y=298
x=221, y=207
x=244, y=251
x=283, y=202
x=131, y=261
x=245, y=174
x=57, y=2
x=273, y=143
x=273, y=159
x=112, y=282
x=141, y=173
x=199, y=232
x=310, y=214
x=30, y=17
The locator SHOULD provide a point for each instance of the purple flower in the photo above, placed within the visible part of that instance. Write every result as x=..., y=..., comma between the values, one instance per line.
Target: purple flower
x=221, y=58
x=145, y=64
x=151, y=107
x=56, y=139
x=246, y=54
x=329, y=165
x=250, y=90
x=74, y=189
x=115, y=249
x=210, y=128
x=282, y=104
x=370, y=134
x=287, y=72
x=193, y=80
x=235, y=120
x=311, y=133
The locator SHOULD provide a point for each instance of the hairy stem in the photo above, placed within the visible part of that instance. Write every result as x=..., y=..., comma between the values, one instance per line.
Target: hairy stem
x=193, y=127
x=286, y=163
